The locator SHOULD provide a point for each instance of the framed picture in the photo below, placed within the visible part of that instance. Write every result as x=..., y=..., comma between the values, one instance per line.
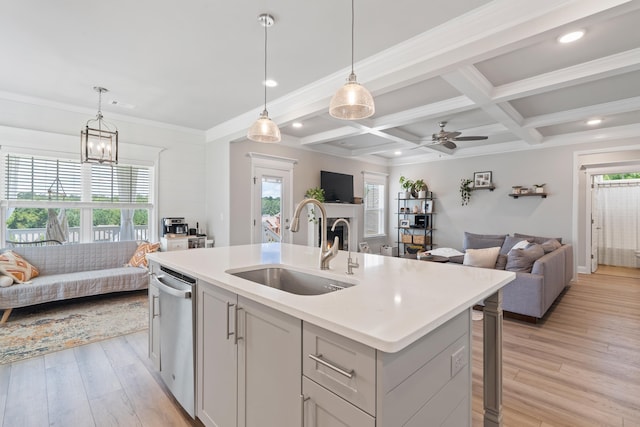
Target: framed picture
x=428, y=206
x=404, y=223
x=482, y=179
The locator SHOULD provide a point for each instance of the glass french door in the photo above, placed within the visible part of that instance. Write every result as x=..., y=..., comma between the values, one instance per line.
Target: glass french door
x=272, y=205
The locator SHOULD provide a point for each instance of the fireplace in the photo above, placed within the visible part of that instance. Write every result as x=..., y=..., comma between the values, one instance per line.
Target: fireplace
x=352, y=213
x=340, y=231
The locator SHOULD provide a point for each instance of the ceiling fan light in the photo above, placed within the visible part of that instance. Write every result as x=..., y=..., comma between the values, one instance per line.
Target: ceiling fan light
x=264, y=130
x=352, y=101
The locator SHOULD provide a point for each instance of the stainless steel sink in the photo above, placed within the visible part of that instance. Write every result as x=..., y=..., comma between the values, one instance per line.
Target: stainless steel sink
x=292, y=281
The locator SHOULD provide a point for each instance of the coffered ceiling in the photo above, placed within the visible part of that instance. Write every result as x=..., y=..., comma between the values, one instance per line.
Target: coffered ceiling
x=490, y=68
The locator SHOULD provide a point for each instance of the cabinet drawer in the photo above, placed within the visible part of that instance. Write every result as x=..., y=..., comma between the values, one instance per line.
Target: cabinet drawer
x=343, y=366
x=324, y=409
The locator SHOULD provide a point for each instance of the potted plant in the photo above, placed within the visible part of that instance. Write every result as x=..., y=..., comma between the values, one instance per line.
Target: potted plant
x=465, y=190
x=420, y=189
x=314, y=193
x=407, y=186
x=539, y=188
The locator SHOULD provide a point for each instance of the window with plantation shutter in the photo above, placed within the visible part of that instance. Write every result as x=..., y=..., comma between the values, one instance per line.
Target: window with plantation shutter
x=119, y=184
x=65, y=200
x=374, y=204
x=32, y=178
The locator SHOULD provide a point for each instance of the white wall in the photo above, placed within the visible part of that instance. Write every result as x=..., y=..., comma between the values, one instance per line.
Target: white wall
x=306, y=174
x=178, y=152
x=495, y=212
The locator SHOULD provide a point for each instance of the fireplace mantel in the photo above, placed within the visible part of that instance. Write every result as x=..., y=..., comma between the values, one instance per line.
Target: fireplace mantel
x=348, y=211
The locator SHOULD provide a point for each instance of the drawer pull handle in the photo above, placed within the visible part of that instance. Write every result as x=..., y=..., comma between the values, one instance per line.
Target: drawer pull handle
x=318, y=358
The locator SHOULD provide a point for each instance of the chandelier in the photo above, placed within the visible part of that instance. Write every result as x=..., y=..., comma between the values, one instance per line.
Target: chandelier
x=99, y=139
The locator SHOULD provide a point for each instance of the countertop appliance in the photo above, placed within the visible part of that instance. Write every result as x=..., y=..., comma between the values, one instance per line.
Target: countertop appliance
x=176, y=311
x=173, y=225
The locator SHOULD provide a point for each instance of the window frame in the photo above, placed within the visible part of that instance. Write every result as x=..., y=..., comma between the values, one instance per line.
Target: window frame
x=379, y=179
x=86, y=205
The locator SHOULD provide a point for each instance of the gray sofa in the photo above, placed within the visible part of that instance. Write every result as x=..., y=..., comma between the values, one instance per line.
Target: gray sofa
x=72, y=271
x=532, y=293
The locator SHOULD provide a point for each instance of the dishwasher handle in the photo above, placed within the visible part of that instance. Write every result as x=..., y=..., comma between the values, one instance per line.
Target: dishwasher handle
x=163, y=287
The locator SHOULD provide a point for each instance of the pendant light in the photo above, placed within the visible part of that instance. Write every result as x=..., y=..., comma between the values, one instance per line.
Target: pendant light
x=352, y=101
x=99, y=139
x=264, y=129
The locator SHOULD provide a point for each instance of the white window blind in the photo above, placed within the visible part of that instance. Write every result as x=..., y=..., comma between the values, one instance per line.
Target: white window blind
x=120, y=184
x=374, y=205
x=33, y=178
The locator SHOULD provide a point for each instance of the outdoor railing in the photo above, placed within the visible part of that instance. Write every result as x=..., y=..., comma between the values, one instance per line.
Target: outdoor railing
x=101, y=233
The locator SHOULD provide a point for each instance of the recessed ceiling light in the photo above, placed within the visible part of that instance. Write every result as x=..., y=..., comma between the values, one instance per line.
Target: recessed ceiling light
x=594, y=122
x=397, y=153
x=296, y=125
x=270, y=83
x=571, y=37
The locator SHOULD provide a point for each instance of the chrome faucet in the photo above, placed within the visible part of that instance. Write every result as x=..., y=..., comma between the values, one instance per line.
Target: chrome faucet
x=350, y=264
x=326, y=254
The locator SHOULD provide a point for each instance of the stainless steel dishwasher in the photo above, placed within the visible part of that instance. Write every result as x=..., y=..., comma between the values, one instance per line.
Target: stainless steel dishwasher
x=176, y=313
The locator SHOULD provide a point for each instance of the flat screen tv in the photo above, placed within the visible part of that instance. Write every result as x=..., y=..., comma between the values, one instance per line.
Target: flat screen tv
x=338, y=187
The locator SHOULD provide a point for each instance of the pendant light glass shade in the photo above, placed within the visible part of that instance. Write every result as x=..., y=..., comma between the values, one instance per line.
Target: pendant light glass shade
x=264, y=129
x=352, y=101
x=99, y=139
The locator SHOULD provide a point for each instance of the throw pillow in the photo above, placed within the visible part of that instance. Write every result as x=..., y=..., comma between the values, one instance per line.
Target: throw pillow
x=5, y=281
x=484, y=258
x=536, y=239
x=16, y=267
x=139, y=258
x=551, y=245
x=482, y=241
x=522, y=259
x=501, y=262
x=510, y=242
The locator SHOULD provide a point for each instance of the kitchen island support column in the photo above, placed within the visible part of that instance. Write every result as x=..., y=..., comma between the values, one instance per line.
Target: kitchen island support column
x=492, y=347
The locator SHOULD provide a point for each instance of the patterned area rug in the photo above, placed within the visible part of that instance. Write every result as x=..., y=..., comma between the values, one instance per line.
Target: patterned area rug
x=45, y=328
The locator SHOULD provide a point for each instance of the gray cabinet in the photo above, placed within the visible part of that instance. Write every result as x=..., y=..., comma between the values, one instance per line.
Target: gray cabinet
x=324, y=409
x=248, y=362
x=217, y=355
x=268, y=367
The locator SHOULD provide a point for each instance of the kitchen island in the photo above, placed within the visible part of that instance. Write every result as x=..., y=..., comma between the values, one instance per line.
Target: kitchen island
x=399, y=315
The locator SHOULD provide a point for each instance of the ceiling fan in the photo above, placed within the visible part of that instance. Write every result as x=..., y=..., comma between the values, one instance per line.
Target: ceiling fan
x=446, y=139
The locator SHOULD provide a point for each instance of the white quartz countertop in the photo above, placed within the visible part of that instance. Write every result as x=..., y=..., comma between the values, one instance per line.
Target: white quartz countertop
x=395, y=301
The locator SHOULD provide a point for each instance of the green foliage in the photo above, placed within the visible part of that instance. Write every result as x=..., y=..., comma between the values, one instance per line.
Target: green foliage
x=465, y=190
x=270, y=205
x=315, y=193
x=27, y=218
x=615, y=176
x=406, y=184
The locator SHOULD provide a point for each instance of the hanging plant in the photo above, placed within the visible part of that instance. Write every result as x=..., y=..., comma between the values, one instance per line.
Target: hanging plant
x=465, y=190
x=314, y=193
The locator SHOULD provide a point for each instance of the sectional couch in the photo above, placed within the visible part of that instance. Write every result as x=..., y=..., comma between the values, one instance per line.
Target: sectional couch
x=543, y=267
x=72, y=271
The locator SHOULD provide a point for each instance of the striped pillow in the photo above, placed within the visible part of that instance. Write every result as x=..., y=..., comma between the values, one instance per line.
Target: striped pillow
x=139, y=258
x=13, y=265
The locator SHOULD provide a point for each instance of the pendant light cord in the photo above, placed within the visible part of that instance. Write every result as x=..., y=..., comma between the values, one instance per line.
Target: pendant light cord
x=352, y=34
x=265, y=64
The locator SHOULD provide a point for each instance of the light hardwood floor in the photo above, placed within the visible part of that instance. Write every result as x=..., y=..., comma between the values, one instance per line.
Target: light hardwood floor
x=579, y=367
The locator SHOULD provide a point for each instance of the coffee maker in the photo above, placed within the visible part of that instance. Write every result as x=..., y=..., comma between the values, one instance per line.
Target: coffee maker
x=174, y=225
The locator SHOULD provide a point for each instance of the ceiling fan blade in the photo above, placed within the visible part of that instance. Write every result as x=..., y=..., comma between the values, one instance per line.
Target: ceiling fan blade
x=470, y=138
x=450, y=145
x=449, y=135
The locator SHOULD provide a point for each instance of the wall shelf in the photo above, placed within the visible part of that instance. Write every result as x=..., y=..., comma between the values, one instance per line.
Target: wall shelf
x=515, y=196
x=491, y=188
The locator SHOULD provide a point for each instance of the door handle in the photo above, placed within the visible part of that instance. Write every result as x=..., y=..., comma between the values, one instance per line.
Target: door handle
x=236, y=337
x=318, y=358
x=303, y=400
x=154, y=298
x=229, y=333
x=168, y=289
